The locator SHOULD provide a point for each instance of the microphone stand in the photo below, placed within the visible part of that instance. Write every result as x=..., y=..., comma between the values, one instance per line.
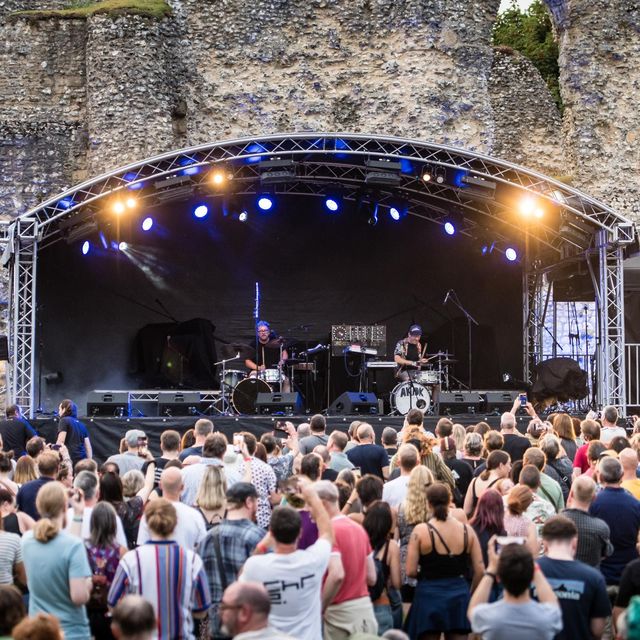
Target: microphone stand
x=225, y=402
x=470, y=319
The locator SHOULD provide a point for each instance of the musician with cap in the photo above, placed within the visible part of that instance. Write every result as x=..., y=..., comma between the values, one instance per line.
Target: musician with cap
x=270, y=353
x=409, y=353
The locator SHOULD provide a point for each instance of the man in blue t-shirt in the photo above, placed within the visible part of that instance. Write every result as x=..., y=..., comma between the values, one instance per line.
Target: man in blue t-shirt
x=580, y=589
x=369, y=457
x=621, y=511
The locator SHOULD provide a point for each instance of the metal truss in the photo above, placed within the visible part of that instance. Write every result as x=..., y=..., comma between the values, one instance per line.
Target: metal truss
x=325, y=161
x=532, y=318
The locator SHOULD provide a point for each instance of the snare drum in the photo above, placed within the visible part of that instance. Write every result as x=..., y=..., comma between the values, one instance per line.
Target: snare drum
x=271, y=376
x=245, y=394
x=410, y=395
x=427, y=377
x=231, y=378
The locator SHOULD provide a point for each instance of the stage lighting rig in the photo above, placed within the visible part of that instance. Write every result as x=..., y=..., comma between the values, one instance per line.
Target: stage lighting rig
x=74, y=230
x=277, y=171
x=384, y=173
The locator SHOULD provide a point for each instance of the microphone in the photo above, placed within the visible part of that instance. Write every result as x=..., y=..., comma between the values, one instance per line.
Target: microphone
x=446, y=298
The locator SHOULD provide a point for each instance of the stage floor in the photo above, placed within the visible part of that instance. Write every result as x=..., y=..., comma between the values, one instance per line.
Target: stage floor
x=105, y=433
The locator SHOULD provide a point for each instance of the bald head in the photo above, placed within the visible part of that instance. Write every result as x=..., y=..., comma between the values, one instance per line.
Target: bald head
x=252, y=606
x=171, y=483
x=365, y=433
x=507, y=421
x=629, y=460
x=408, y=457
x=583, y=490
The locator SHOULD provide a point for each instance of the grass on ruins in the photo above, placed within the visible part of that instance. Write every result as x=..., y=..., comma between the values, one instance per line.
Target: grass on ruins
x=87, y=8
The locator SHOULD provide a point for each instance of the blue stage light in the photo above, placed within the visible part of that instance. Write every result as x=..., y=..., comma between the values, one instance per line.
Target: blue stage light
x=103, y=240
x=395, y=214
x=511, y=254
x=449, y=229
x=265, y=203
x=123, y=246
x=332, y=204
x=201, y=211
x=147, y=223
x=243, y=217
x=86, y=247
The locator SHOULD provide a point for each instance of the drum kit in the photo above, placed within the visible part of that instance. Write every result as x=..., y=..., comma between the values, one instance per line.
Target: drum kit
x=418, y=392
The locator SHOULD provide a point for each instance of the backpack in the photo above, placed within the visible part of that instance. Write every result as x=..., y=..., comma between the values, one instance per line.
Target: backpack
x=382, y=573
x=565, y=479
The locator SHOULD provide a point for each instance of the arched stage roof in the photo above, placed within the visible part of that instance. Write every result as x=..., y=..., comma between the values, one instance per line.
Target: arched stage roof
x=483, y=194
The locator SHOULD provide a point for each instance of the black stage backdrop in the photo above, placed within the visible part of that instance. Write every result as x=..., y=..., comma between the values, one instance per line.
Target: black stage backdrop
x=314, y=268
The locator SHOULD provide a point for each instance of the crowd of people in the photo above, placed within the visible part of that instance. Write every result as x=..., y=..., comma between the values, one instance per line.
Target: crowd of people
x=312, y=535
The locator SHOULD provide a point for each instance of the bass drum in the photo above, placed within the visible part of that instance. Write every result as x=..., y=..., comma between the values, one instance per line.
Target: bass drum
x=408, y=395
x=245, y=394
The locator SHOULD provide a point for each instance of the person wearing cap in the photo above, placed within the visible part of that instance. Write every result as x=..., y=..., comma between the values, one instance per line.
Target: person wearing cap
x=226, y=547
x=408, y=353
x=136, y=454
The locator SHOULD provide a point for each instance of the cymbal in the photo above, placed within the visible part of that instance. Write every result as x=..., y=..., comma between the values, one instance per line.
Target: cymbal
x=449, y=361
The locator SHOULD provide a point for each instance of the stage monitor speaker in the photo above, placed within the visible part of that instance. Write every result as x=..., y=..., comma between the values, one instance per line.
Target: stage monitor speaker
x=279, y=404
x=178, y=403
x=498, y=402
x=354, y=403
x=457, y=402
x=114, y=404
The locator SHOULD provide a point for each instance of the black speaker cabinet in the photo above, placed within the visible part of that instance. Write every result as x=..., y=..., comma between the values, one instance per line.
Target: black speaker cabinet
x=108, y=403
x=457, y=402
x=279, y=404
x=178, y=403
x=498, y=402
x=354, y=403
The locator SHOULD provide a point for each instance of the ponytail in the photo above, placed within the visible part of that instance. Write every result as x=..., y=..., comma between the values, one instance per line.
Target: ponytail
x=495, y=459
x=45, y=530
x=439, y=498
x=51, y=502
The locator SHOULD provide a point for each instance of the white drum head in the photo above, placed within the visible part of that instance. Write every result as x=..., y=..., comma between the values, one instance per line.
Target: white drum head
x=407, y=396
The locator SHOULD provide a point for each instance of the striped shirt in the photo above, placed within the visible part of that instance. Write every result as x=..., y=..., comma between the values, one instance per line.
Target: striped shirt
x=171, y=578
x=10, y=554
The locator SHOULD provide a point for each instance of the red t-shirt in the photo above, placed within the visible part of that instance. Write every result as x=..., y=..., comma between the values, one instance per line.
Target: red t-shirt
x=352, y=543
x=580, y=460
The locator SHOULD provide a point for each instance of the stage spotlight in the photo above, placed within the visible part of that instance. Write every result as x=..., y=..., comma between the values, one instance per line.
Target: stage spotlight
x=218, y=178
x=527, y=206
x=118, y=207
x=394, y=213
x=511, y=254
x=426, y=175
x=449, y=228
x=86, y=247
x=147, y=223
x=103, y=240
x=332, y=204
x=399, y=209
x=123, y=246
x=201, y=211
x=243, y=217
x=131, y=202
x=440, y=175
x=265, y=203
x=373, y=214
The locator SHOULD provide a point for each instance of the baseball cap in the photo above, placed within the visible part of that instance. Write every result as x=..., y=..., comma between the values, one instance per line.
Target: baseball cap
x=415, y=330
x=240, y=491
x=133, y=435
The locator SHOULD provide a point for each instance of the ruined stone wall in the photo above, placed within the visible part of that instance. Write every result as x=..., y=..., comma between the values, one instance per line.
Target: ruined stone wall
x=600, y=83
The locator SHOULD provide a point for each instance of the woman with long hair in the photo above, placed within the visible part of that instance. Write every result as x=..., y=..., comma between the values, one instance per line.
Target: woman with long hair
x=104, y=555
x=58, y=572
x=6, y=470
x=211, y=499
x=378, y=523
x=488, y=519
x=161, y=571
x=25, y=471
x=563, y=426
x=516, y=523
x=441, y=554
x=72, y=433
x=498, y=467
x=13, y=521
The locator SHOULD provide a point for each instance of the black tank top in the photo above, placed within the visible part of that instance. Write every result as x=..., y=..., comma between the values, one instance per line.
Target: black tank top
x=10, y=524
x=434, y=565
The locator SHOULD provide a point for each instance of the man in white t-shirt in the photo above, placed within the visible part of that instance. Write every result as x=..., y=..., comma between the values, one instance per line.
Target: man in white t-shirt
x=610, y=428
x=395, y=491
x=293, y=577
x=190, y=529
x=87, y=482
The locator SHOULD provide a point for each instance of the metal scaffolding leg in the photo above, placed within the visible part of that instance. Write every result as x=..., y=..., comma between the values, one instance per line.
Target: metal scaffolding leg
x=611, y=361
x=532, y=329
x=22, y=312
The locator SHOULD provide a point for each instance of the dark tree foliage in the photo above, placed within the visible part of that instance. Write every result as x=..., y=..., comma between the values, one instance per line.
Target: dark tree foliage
x=531, y=33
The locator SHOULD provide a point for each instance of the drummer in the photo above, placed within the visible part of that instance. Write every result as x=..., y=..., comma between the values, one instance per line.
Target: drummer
x=409, y=354
x=268, y=354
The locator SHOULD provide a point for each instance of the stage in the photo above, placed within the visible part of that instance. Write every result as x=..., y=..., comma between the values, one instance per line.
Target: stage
x=105, y=433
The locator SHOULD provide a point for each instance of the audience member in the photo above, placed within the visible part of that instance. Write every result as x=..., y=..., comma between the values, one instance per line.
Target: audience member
x=133, y=618
x=580, y=589
x=170, y=450
x=48, y=464
x=6, y=473
x=515, y=444
x=515, y=616
x=11, y=565
x=389, y=440
x=58, y=571
x=15, y=431
x=472, y=451
x=589, y=430
x=563, y=426
x=25, y=470
x=352, y=433
x=202, y=429
x=368, y=456
x=189, y=527
x=539, y=511
x=498, y=467
x=461, y=471
x=516, y=523
x=210, y=501
x=226, y=547
x=41, y=627
x=610, y=428
x=336, y=445
x=163, y=571
x=630, y=481
x=488, y=520
x=326, y=473
x=263, y=478
x=550, y=489
x=12, y=610
x=35, y=446
x=72, y=433
x=556, y=460
x=136, y=454
x=318, y=425
x=13, y=521
x=395, y=491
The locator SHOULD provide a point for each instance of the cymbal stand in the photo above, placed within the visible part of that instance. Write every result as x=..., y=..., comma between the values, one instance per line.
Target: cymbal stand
x=225, y=409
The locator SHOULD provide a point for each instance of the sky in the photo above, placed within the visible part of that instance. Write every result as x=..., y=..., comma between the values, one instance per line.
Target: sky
x=523, y=4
